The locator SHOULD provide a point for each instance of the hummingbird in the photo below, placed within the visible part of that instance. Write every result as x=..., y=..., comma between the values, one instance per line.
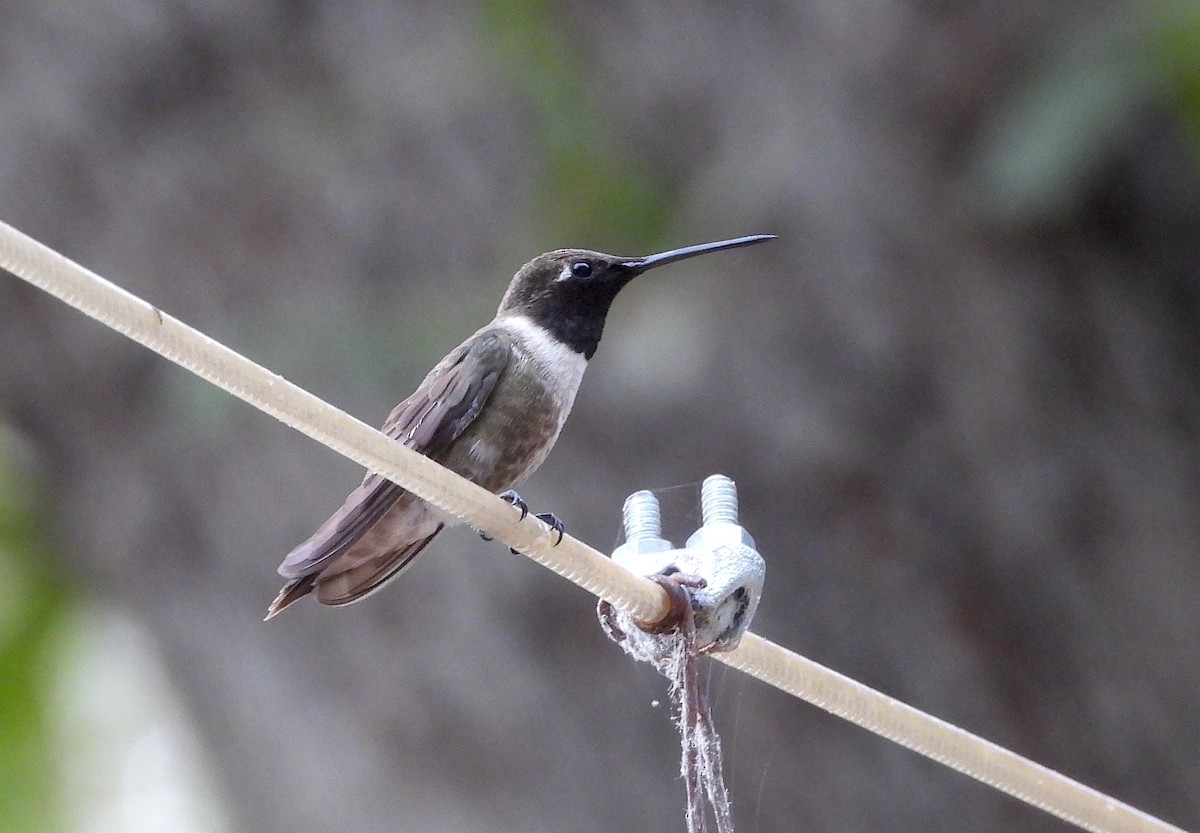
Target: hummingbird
x=491, y=410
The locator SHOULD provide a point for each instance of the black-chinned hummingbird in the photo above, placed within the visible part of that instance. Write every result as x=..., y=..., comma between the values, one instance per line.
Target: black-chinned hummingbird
x=491, y=411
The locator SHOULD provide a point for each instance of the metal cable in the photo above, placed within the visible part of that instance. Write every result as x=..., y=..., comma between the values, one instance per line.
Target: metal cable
x=572, y=559
x=936, y=739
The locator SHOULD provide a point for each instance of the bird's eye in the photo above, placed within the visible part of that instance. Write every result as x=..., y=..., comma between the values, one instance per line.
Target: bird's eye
x=581, y=269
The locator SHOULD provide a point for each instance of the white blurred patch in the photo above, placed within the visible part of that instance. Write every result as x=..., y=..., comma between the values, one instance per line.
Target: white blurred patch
x=128, y=758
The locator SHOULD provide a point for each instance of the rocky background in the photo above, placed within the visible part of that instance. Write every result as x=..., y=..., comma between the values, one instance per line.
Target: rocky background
x=960, y=394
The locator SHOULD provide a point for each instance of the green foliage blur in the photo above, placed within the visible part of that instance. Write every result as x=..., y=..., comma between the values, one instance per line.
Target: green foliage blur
x=1174, y=44
x=587, y=187
x=1072, y=113
x=33, y=601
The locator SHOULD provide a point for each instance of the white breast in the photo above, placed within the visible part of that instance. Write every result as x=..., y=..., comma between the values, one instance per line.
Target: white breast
x=563, y=366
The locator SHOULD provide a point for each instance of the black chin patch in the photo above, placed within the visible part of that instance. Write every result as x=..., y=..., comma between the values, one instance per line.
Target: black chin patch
x=574, y=314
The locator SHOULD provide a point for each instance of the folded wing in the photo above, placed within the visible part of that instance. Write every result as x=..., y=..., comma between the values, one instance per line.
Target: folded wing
x=448, y=401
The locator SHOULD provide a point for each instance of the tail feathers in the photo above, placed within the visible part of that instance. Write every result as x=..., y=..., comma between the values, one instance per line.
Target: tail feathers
x=364, y=579
x=291, y=593
x=352, y=584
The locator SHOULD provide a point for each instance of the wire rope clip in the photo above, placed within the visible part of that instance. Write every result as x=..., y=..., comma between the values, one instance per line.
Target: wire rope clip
x=718, y=573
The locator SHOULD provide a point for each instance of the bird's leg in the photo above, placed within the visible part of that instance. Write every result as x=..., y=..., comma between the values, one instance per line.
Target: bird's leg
x=554, y=523
x=556, y=526
x=548, y=518
x=516, y=500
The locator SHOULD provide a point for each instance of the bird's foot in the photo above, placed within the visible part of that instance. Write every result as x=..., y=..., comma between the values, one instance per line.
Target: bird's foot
x=556, y=527
x=548, y=518
x=516, y=500
x=555, y=524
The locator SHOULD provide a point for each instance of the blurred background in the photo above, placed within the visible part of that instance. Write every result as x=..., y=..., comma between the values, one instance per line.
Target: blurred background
x=960, y=395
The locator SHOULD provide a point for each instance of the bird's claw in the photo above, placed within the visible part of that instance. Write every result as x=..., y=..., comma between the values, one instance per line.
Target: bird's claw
x=556, y=526
x=548, y=518
x=516, y=500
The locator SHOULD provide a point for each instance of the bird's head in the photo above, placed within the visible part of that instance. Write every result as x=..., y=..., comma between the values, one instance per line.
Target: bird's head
x=568, y=291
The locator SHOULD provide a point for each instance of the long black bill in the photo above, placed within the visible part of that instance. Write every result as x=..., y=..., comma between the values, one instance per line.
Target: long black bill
x=639, y=265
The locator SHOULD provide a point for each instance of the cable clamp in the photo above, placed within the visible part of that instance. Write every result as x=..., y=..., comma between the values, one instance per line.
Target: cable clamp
x=718, y=573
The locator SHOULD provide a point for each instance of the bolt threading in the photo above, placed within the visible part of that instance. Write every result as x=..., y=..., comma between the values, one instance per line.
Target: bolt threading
x=718, y=500
x=642, y=516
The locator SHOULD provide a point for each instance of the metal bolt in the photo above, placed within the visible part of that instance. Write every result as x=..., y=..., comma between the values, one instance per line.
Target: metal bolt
x=642, y=517
x=718, y=500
